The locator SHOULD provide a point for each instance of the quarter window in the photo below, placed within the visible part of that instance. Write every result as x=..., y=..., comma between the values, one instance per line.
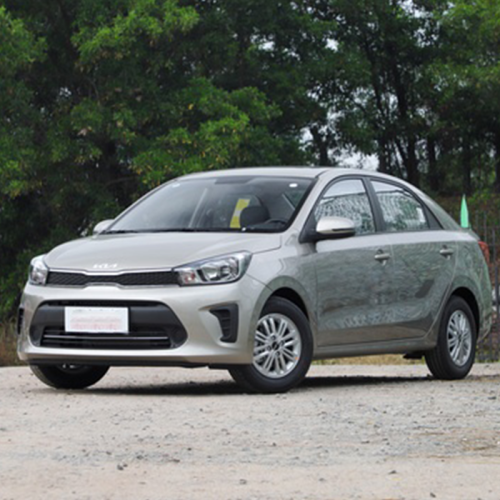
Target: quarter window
x=347, y=199
x=400, y=209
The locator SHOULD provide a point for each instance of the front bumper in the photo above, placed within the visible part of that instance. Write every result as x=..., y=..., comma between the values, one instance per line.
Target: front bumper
x=204, y=342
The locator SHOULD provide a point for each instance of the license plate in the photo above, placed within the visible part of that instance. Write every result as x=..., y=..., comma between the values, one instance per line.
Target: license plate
x=96, y=319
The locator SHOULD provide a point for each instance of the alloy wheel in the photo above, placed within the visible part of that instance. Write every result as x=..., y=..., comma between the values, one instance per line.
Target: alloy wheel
x=277, y=347
x=459, y=335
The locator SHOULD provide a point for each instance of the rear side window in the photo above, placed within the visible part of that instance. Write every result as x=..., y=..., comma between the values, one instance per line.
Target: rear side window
x=347, y=199
x=400, y=209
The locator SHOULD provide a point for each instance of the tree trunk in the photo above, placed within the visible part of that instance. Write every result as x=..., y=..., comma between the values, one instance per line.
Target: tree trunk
x=412, y=162
x=382, y=156
x=467, y=168
x=321, y=145
x=497, y=161
x=434, y=176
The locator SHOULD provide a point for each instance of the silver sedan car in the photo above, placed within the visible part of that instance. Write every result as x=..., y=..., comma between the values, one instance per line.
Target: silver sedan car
x=259, y=271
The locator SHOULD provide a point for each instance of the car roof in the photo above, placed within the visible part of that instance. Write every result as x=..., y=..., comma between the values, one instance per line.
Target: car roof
x=306, y=172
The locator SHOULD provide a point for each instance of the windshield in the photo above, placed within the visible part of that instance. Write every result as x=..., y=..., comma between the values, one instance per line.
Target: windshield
x=257, y=204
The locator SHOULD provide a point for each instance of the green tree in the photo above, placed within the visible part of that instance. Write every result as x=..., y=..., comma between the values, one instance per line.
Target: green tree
x=103, y=100
x=467, y=97
x=19, y=49
x=281, y=49
x=378, y=80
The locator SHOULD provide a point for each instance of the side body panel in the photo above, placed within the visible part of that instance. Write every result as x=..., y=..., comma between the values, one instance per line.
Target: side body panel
x=353, y=290
x=472, y=274
x=423, y=270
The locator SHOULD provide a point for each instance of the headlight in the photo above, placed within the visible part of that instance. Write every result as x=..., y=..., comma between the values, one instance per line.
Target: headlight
x=38, y=271
x=225, y=269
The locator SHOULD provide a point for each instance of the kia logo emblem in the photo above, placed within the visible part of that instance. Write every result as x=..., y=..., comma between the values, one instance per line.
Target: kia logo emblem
x=105, y=266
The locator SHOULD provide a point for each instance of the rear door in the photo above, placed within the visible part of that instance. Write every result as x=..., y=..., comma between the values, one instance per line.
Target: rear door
x=424, y=259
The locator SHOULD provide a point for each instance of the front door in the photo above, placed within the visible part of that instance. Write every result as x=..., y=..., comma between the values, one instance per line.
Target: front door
x=353, y=274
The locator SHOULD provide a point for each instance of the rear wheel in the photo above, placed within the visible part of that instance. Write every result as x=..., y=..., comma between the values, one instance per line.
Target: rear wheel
x=69, y=376
x=282, y=350
x=454, y=354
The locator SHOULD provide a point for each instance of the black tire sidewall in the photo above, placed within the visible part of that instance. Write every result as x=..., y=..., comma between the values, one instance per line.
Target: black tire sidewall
x=58, y=377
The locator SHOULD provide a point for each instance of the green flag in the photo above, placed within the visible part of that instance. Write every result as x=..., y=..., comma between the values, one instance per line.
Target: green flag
x=464, y=214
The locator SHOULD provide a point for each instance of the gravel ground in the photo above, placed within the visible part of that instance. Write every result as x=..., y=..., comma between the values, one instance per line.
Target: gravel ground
x=349, y=432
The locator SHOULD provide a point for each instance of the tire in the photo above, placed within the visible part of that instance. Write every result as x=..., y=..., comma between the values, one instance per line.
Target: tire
x=283, y=349
x=454, y=354
x=69, y=376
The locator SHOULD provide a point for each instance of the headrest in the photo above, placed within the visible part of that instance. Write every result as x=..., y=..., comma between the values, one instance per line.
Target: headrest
x=253, y=215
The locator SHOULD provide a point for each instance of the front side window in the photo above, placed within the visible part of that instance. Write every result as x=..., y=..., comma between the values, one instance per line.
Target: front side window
x=400, y=209
x=347, y=199
x=222, y=204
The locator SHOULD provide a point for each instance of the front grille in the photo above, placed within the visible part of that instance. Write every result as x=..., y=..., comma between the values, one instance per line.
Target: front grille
x=152, y=325
x=157, y=278
x=55, y=337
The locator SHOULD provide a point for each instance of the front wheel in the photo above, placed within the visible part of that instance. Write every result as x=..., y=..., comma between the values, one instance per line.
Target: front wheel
x=454, y=354
x=282, y=351
x=69, y=376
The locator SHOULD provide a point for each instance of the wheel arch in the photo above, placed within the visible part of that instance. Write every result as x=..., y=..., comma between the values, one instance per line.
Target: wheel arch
x=293, y=291
x=469, y=297
x=293, y=297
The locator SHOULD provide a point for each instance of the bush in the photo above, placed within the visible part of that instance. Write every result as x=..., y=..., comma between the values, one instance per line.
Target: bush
x=8, y=355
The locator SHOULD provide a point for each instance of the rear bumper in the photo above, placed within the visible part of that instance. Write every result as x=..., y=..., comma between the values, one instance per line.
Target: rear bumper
x=200, y=338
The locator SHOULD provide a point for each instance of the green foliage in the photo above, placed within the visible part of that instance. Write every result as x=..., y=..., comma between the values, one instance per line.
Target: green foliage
x=465, y=100
x=101, y=100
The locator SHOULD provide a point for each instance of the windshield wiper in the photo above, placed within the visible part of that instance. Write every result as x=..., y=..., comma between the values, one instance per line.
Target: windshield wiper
x=168, y=230
x=119, y=231
x=190, y=230
x=142, y=231
x=175, y=230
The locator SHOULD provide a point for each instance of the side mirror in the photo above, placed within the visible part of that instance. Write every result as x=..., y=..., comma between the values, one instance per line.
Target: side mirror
x=335, y=227
x=102, y=226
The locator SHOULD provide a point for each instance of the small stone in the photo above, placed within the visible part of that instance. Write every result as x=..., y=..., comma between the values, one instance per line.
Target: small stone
x=432, y=495
x=243, y=481
x=394, y=471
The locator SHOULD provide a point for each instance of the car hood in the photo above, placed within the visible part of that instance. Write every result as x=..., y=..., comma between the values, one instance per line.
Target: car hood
x=114, y=253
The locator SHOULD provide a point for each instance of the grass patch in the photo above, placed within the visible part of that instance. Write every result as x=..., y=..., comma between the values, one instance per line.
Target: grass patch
x=383, y=359
x=8, y=340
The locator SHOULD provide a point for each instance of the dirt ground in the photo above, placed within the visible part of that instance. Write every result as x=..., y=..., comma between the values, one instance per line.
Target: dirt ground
x=349, y=432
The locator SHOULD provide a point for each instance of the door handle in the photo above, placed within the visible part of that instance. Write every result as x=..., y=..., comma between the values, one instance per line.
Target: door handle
x=382, y=257
x=446, y=252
